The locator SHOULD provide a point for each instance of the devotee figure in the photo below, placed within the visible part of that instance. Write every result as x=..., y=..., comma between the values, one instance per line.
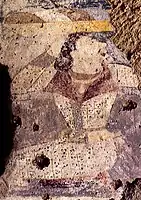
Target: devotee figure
x=90, y=92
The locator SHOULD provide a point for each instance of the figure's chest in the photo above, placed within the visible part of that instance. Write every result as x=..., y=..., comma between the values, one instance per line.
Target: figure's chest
x=92, y=114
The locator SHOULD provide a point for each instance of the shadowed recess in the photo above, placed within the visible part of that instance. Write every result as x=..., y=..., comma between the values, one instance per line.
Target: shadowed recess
x=6, y=129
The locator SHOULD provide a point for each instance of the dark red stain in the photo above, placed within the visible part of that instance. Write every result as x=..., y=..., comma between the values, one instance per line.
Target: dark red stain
x=62, y=83
x=60, y=183
x=65, y=187
x=103, y=84
x=102, y=176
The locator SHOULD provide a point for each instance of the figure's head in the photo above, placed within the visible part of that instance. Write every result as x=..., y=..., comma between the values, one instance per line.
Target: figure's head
x=84, y=56
x=82, y=53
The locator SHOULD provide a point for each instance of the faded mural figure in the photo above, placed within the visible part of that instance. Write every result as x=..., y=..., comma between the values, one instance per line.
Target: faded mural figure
x=82, y=69
x=85, y=88
x=76, y=99
x=82, y=76
x=87, y=97
x=89, y=93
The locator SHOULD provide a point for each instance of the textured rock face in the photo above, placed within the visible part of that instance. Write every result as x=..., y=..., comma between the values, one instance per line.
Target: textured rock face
x=76, y=104
x=125, y=16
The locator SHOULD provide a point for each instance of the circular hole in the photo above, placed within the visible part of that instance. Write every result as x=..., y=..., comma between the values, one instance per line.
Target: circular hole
x=41, y=161
x=35, y=127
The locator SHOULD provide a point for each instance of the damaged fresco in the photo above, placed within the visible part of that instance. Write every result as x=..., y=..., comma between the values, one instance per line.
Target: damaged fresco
x=75, y=102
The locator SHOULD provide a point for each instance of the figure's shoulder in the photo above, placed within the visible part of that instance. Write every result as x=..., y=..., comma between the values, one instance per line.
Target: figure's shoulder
x=123, y=75
x=126, y=108
x=126, y=96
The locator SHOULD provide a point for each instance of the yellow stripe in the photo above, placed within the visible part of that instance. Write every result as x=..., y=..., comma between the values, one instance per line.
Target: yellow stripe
x=92, y=26
x=63, y=27
x=92, y=137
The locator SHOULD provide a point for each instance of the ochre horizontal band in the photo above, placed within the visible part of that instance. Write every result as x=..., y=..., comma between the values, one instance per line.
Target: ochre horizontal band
x=61, y=27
